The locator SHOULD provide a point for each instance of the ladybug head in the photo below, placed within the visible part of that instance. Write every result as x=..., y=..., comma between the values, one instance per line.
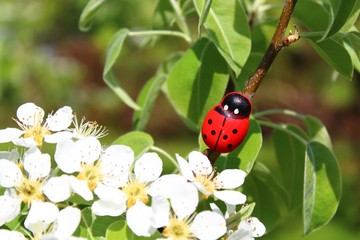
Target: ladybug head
x=236, y=105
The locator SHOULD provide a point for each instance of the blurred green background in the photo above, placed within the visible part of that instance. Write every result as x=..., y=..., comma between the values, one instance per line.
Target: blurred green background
x=45, y=59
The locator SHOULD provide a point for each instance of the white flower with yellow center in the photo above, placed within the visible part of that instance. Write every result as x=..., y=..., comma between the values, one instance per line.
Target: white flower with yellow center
x=134, y=188
x=45, y=221
x=183, y=197
x=28, y=186
x=32, y=130
x=200, y=172
x=95, y=169
x=144, y=220
x=246, y=229
x=23, y=181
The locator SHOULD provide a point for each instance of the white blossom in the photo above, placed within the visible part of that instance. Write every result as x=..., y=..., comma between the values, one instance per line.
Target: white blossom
x=33, y=130
x=134, y=189
x=45, y=221
x=200, y=172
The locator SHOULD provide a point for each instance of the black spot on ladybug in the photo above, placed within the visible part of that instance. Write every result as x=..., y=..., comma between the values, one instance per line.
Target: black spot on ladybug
x=210, y=121
x=213, y=132
x=229, y=146
x=204, y=136
x=235, y=131
x=225, y=137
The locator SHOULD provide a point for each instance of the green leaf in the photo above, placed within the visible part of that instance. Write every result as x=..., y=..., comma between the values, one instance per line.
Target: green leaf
x=290, y=154
x=322, y=186
x=84, y=229
x=120, y=230
x=312, y=14
x=245, y=212
x=113, y=51
x=100, y=225
x=245, y=155
x=228, y=29
x=149, y=93
x=352, y=45
x=203, y=15
x=139, y=142
x=334, y=54
x=197, y=82
x=343, y=13
x=146, y=100
x=163, y=16
x=88, y=13
x=352, y=18
x=261, y=187
x=317, y=131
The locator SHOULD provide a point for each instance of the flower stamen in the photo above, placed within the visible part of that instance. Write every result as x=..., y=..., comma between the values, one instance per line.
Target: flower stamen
x=136, y=190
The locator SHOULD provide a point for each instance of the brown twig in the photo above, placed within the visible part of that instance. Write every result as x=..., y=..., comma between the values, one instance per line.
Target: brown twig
x=278, y=42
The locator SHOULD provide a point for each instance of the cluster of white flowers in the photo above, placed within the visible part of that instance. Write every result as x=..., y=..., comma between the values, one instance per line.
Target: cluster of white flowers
x=36, y=189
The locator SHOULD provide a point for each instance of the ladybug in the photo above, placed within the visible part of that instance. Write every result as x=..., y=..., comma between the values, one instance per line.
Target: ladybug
x=225, y=126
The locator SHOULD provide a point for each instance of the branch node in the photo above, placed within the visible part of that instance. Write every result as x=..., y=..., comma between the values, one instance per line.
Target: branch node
x=293, y=37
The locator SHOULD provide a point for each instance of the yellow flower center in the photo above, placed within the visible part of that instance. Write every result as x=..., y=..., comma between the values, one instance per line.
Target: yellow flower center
x=30, y=190
x=134, y=191
x=36, y=132
x=91, y=173
x=177, y=230
x=207, y=182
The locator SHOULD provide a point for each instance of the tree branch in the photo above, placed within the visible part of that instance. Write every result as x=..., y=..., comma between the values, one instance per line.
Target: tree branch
x=278, y=42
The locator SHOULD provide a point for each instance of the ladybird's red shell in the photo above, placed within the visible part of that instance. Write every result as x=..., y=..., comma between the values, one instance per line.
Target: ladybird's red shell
x=223, y=131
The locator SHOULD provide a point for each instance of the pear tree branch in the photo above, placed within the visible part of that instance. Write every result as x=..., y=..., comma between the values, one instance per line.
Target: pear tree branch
x=278, y=42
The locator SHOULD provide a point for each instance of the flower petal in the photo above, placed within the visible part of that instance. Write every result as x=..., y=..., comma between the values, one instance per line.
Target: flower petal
x=9, y=205
x=161, y=211
x=66, y=156
x=138, y=218
x=115, y=165
x=185, y=168
x=184, y=200
x=230, y=197
x=229, y=179
x=38, y=165
x=58, y=137
x=57, y=189
x=11, y=235
x=66, y=223
x=112, y=201
x=10, y=134
x=81, y=188
x=199, y=163
x=148, y=167
x=60, y=120
x=30, y=114
x=40, y=216
x=208, y=225
x=166, y=185
x=88, y=149
x=10, y=174
x=257, y=228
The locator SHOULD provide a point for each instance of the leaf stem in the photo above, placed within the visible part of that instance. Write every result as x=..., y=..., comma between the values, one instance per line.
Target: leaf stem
x=278, y=111
x=163, y=152
x=278, y=42
x=282, y=127
x=179, y=16
x=160, y=32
